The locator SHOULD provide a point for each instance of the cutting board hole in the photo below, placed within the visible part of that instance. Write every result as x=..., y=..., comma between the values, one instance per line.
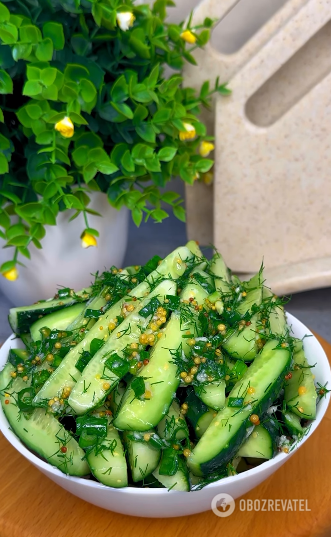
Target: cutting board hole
x=292, y=81
x=242, y=22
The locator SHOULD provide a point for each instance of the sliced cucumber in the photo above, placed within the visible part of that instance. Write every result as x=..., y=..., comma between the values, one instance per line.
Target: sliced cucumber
x=18, y=356
x=242, y=343
x=107, y=462
x=179, y=481
x=212, y=394
x=198, y=414
x=277, y=318
x=221, y=273
x=27, y=339
x=143, y=458
x=253, y=297
x=259, y=445
x=20, y=319
x=142, y=415
x=227, y=431
x=300, y=393
x=116, y=397
x=292, y=423
x=66, y=375
x=41, y=433
x=91, y=388
x=58, y=320
x=173, y=420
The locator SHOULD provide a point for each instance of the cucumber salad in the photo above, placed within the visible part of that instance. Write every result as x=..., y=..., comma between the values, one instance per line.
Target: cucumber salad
x=173, y=374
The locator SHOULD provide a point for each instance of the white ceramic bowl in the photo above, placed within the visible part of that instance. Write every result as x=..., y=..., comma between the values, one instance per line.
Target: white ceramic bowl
x=160, y=502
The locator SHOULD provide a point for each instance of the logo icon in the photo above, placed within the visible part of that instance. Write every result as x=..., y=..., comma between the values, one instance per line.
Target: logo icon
x=223, y=505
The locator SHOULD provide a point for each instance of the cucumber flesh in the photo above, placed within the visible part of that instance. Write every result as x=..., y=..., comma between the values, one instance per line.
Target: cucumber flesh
x=66, y=375
x=302, y=404
x=162, y=375
x=18, y=356
x=41, y=433
x=198, y=414
x=292, y=423
x=221, y=273
x=20, y=319
x=175, y=418
x=89, y=390
x=59, y=320
x=179, y=481
x=109, y=464
x=143, y=458
x=220, y=442
x=242, y=343
x=204, y=422
x=259, y=445
x=277, y=318
x=213, y=394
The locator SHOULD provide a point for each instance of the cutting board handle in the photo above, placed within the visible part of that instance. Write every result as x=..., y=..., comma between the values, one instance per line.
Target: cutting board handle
x=290, y=38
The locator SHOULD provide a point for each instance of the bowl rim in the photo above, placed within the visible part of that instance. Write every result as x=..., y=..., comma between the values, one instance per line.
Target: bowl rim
x=276, y=461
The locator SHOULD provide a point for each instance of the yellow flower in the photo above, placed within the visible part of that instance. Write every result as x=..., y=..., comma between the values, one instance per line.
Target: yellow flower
x=206, y=148
x=189, y=37
x=88, y=240
x=208, y=178
x=11, y=274
x=65, y=127
x=125, y=20
x=188, y=134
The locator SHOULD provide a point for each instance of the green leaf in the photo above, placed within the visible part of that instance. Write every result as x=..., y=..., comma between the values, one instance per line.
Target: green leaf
x=81, y=45
x=140, y=113
x=6, y=83
x=123, y=109
x=146, y=132
x=37, y=231
x=127, y=162
x=4, y=13
x=170, y=197
x=119, y=91
x=49, y=217
x=30, y=34
x=137, y=216
x=153, y=77
x=4, y=167
x=50, y=93
x=89, y=172
x=75, y=73
x=95, y=233
x=78, y=119
x=153, y=165
x=167, y=153
x=179, y=213
x=80, y=156
x=140, y=48
x=71, y=202
x=44, y=50
x=159, y=214
x=204, y=165
x=141, y=94
x=204, y=37
x=4, y=219
x=25, y=251
x=8, y=33
x=22, y=51
x=189, y=58
x=8, y=265
x=14, y=231
x=163, y=115
x=32, y=88
x=33, y=73
x=34, y=111
x=48, y=76
x=20, y=240
x=50, y=191
x=88, y=91
x=54, y=31
x=2, y=119
x=61, y=156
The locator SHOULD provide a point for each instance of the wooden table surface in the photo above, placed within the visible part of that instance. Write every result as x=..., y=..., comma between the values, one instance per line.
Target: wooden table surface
x=33, y=506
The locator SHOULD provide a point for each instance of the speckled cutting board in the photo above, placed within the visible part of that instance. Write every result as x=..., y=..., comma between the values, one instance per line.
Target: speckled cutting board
x=272, y=191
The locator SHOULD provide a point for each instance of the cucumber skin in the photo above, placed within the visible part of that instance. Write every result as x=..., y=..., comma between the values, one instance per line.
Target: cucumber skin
x=80, y=467
x=54, y=322
x=25, y=317
x=230, y=450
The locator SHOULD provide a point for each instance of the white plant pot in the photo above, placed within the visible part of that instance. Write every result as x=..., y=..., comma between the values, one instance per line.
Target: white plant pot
x=63, y=261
